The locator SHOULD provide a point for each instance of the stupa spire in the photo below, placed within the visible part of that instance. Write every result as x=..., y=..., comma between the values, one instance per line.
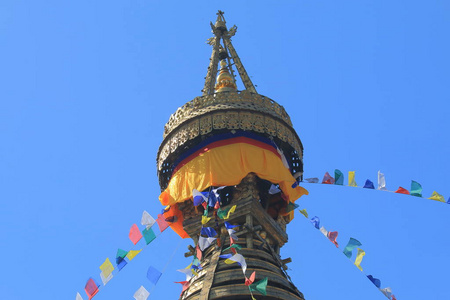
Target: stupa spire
x=224, y=51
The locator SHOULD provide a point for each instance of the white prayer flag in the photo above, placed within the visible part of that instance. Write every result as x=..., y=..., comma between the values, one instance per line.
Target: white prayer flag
x=232, y=235
x=105, y=280
x=324, y=231
x=381, y=181
x=79, y=297
x=187, y=272
x=141, y=294
x=387, y=292
x=147, y=220
x=204, y=243
x=274, y=190
x=240, y=260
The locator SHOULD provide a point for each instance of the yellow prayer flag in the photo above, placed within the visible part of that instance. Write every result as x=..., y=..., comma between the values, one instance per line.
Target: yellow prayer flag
x=194, y=272
x=205, y=220
x=107, y=268
x=304, y=212
x=351, y=178
x=229, y=261
x=232, y=209
x=132, y=253
x=436, y=196
x=359, y=257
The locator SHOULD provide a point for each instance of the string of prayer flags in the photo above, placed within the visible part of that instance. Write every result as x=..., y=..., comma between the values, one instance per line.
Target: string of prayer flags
x=162, y=223
x=375, y=281
x=147, y=220
x=327, y=179
x=438, y=197
x=132, y=254
x=107, y=279
x=149, y=235
x=251, y=279
x=204, y=243
x=324, y=231
x=316, y=222
x=312, y=180
x=368, y=185
x=416, y=189
x=259, y=286
x=338, y=177
x=401, y=190
x=332, y=236
x=303, y=212
x=141, y=293
x=351, y=178
x=381, y=181
x=135, y=234
x=274, y=189
x=352, y=244
x=106, y=267
x=208, y=231
x=153, y=275
x=78, y=297
x=120, y=255
x=359, y=257
x=91, y=288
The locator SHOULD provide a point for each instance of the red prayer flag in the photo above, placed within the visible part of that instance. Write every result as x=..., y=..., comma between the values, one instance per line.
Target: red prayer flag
x=402, y=191
x=162, y=223
x=393, y=297
x=91, y=288
x=199, y=252
x=332, y=236
x=135, y=234
x=250, y=280
x=185, y=285
x=327, y=179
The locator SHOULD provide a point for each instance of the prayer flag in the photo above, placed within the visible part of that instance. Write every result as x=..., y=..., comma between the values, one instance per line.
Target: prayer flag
x=186, y=272
x=332, y=236
x=229, y=226
x=205, y=219
x=185, y=285
x=259, y=286
x=149, y=235
x=162, y=223
x=208, y=231
x=226, y=256
x=120, y=255
x=359, y=257
x=448, y=201
x=316, y=222
x=225, y=213
x=381, y=181
x=198, y=252
x=291, y=206
x=327, y=179
x=438, y=197
x=304, y=212
x=78, y=297
x=402, y=191
x=121, y=264
x=324, y=231
x=232, y=209
x=132, y=254
x=375, y=281
x=416, y=189
x=368, y=185
x=234, y=246
x=198, y=197
x=135, y=234
x=274, y=189
x=147, y=220
x=352, y=244
x=251, y=279
x=105, y=280
x=204, y=243
x=107, y=267
x=141, y=294
x=312, y=180
x=91, y=288
x=338, y=177
x=387, y=292
x=239, y=259
x=153, y=275
x=393, y=297
x=351, y=178
x=232, y=235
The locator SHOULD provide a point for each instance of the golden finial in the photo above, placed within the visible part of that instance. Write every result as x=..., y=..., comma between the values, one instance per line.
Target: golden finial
x=225, y=82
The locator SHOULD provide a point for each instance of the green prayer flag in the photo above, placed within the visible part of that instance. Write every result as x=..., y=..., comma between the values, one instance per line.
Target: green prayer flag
x=338, y=177
x=149, y=235
x=120, y=255
x=259, y=286
x=222, y=213
x=291, y=206
x=235, y=246
x=416, y=189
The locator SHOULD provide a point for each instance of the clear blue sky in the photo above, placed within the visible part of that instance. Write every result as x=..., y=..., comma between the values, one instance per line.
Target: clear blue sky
x=87, y=86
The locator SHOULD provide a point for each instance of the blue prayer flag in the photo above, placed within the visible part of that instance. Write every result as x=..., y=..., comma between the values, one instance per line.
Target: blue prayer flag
x=338, y=177
x=368, y=185
x=229, y=226
x=416, y=189
x=375, y=281
x=153, y=275
x=352, y=244
x=209, y=231
x=122, y=263
x=316, y=222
